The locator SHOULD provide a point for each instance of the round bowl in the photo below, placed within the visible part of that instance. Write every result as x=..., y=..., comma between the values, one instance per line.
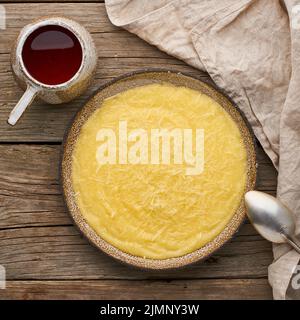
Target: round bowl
x=138, y=79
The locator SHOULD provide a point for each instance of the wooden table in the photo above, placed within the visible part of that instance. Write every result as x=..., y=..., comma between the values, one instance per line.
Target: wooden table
x=43, y=253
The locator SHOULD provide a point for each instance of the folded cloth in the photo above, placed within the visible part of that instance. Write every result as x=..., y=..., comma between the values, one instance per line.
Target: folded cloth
x=251, y=49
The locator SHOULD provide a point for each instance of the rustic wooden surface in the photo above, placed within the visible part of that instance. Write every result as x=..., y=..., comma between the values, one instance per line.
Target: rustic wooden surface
x=43, y=253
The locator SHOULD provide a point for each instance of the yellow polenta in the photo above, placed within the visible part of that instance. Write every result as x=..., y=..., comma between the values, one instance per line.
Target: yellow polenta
x=157, y=211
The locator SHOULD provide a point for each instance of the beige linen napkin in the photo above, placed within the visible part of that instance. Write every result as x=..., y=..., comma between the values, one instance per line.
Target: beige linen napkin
x=251, y=49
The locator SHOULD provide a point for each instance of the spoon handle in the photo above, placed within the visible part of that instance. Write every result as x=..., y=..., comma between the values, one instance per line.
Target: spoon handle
x=294, y=242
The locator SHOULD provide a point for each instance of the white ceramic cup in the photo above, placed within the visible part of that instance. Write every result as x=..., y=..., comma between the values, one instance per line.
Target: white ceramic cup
x=53, y=94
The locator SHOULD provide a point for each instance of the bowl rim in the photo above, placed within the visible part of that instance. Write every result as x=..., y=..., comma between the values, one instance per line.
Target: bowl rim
x=69, y=141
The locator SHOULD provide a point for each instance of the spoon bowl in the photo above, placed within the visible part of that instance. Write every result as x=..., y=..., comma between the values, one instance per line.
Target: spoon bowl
x=271, y=218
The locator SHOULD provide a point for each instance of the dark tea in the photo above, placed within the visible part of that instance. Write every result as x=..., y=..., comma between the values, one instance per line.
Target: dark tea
x=52, y=54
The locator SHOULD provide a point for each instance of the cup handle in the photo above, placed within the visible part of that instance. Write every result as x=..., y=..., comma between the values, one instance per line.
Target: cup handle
x=23, y=103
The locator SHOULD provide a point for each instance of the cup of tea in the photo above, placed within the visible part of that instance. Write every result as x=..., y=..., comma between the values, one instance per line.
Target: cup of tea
x=53, y=59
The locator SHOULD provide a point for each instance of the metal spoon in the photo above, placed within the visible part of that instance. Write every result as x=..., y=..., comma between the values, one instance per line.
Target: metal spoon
x=271, y=218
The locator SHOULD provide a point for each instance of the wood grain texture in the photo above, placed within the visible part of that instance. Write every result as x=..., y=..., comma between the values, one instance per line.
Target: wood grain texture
x=30, y=192
x=138, y=290
x=119, y=52
x=37, y=240
x=61, y=253
x=44, y=255
x=46, y=123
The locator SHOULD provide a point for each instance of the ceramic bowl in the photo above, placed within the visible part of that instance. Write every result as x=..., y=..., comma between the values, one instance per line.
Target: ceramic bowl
x=138, y=79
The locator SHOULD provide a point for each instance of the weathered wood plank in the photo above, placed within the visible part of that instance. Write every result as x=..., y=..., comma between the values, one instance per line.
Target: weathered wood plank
x=135, y=290
x=61, y=253
x=119, y=52
x=37, y=239
x=33, y=247
x=45, y=123
x=29, y=188
x=92, y=15
x=30, y=194
x=109, y=40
